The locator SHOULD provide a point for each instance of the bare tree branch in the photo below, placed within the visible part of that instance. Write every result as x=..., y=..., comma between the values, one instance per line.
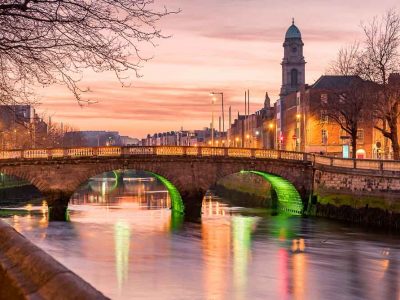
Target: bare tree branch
x=44, y=42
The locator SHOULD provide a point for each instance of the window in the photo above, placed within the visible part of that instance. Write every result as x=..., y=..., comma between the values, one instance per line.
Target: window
x=294, y=77
x=324, y=99
x=360, y=136
x=324, y=116
x=342, y=98
x=324, y=136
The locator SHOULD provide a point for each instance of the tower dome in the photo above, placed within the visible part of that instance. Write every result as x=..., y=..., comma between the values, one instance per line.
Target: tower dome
x=293, y=32
x=293, y=64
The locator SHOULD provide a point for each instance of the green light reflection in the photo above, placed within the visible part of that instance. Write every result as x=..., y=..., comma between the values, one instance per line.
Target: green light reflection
x=122, y=237
x=242, y=229
x=289, y=200
x=176, y=199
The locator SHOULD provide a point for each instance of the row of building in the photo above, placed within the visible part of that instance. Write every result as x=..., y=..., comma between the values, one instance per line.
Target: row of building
x=182, y=137
x=22, y=128
x=295, y=122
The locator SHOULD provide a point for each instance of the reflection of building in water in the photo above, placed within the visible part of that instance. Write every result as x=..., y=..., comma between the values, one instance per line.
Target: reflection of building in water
x=216, y=241
x=123, y=188
x=122, y=236
x=210, y=207
x=299, y=264
x=242, y=228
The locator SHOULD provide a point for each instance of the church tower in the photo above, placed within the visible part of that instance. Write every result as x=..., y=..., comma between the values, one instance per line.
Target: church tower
x=293, y=64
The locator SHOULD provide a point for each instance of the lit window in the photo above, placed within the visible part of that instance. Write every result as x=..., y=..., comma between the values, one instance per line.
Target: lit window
x=360, y=135
x=324, y=136
x=324, y=116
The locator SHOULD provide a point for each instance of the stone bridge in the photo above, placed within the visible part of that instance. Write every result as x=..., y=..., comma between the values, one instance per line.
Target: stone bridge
x=187, y=172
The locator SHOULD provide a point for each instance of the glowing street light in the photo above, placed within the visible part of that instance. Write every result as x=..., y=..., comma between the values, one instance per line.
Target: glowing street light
x=237, y=141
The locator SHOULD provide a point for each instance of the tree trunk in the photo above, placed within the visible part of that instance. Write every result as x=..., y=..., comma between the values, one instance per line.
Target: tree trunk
x=395, y=142
x=394, y=138
x=354, y=145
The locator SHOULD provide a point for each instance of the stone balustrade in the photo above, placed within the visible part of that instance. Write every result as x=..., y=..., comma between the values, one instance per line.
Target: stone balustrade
x=114, y=151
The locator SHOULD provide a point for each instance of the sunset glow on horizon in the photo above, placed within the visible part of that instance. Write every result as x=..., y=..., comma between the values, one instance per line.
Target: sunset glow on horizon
x=228, y=46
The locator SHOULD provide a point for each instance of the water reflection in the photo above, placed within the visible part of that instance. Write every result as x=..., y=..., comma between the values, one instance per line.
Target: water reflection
x=242, y=230
x=132, y=246
x=122, y=236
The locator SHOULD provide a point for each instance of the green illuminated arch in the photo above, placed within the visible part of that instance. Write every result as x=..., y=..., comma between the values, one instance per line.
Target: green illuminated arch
x=289, y=199
x=176, y=199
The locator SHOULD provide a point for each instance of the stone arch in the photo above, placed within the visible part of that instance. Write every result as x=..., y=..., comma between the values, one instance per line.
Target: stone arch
x=289, y=199
x=25, y=187
x=177, y=204
x=20, y=174
x=288, y=196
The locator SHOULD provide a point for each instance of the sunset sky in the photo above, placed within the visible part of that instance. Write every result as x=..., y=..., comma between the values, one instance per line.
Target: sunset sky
x=220, y=45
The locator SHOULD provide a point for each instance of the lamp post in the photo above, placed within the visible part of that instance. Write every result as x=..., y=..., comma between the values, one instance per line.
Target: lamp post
x=256, y=139
x=271, y=129
x=222, y=107
x=212, y=121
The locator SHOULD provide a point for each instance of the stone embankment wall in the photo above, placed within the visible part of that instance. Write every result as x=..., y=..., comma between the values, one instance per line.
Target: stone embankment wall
x=247, y=190
x=27, y=272
x=367, y=198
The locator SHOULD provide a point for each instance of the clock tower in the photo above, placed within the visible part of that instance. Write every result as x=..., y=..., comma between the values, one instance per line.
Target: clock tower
x=293, y=64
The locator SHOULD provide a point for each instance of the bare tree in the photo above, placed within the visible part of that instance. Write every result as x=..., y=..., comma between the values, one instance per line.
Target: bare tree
x=44, y=42
x=347, y=62
x=381, y=58
x=347, y=107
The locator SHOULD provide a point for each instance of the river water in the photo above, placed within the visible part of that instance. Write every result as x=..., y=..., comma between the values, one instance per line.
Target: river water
x=124, y=241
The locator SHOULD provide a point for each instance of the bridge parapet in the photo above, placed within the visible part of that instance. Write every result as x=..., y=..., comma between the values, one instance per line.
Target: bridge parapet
x=78, y=152
x=114, y=151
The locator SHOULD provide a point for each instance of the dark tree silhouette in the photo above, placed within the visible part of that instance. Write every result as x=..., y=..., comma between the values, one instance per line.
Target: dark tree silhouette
x=348, y=107
x=44, y=42
x=377, y=60
x=381, y=60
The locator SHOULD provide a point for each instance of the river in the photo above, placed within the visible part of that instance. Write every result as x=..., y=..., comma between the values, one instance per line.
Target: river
x=123, y=239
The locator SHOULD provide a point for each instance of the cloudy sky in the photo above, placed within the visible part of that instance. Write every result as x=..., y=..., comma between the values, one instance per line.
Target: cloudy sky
x=220, y=45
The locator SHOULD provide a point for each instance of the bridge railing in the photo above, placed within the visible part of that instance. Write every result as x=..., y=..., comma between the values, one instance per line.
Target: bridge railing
x=358, y=164
x=114, y=151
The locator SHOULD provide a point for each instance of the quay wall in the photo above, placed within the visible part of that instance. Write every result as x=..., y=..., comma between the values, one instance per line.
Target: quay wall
x=366, y=198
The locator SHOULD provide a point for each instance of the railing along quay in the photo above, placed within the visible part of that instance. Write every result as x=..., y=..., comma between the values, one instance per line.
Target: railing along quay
x=111, y=151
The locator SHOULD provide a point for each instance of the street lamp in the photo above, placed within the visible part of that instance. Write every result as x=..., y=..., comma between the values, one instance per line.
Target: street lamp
x=256, y=139
x=212, y=118
x=271, y=128
x=222, y=108
x=237, y=142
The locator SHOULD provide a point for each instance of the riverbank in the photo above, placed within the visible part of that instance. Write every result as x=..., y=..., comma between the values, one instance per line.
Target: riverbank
x=377, y=211
x=18, y=195
x=27, y=272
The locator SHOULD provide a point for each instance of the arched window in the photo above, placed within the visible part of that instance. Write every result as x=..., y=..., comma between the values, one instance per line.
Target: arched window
x=293, y=77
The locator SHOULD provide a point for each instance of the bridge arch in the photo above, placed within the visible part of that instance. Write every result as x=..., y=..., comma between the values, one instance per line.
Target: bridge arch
x=288, y=194
x=177, y=204
x=289, y=199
